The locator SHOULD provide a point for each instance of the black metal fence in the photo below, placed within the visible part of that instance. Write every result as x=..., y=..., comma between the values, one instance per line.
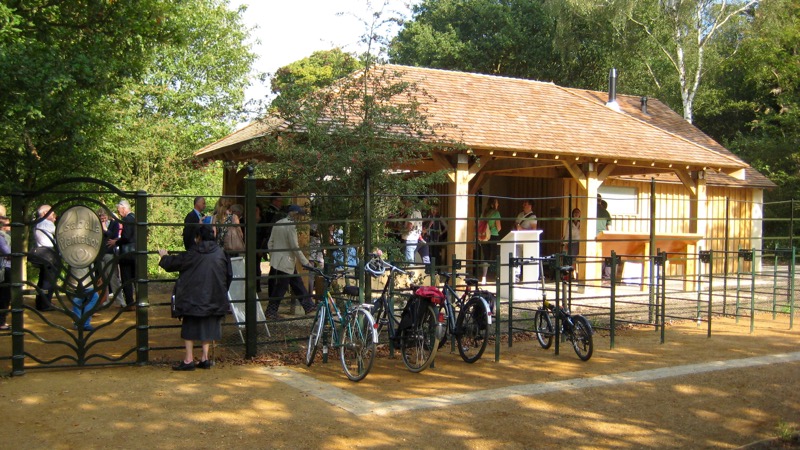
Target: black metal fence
x=632, y=289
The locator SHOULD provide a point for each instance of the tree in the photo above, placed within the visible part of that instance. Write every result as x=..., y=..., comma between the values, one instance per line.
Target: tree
x=92, y=92
x=306, y=75
x=682, y=31
x=57, y=62
x=545, y=40
x=761, y=92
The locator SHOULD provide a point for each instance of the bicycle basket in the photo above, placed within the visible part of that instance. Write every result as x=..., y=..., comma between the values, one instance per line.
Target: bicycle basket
x=432, y=293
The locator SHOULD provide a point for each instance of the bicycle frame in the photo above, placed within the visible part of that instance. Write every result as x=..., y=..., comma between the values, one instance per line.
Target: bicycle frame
x=329, y=308
x=387, y=302
x=461, y=301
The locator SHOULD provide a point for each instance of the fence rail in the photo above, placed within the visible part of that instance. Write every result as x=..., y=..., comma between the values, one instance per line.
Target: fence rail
x=647, y=289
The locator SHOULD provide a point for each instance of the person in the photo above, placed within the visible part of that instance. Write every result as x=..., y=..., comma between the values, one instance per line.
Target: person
x=86, y=297
x=604, y=224
x=194, y=217
x=261, y=246
x=273, y=214
x=434, y=232
x=127, y=262
x=603, y=216
x=201, y=294
x=110, y=270
x=230, y=238
x=316, y=255
x=491, y=214
x=344, y=256
x=284, y=254
x=5, y=266
x=412, y=230
x=572, y=236
x=526, y=220
x=3, y=210
x=44, y=234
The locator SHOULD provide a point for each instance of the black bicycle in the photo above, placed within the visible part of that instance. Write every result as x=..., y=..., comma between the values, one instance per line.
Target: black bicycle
x=417, y=332
x=575, y=328
x=470, y=326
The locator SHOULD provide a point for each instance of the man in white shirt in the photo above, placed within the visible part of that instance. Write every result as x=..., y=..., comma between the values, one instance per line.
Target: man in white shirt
x=526, y=220
x=284, y=253
x=44, y=233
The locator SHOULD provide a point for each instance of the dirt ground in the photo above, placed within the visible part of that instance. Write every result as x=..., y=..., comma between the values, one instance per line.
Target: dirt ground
x=248, y=406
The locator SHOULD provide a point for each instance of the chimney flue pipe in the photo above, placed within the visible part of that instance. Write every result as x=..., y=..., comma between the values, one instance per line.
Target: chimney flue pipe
x=612, y=85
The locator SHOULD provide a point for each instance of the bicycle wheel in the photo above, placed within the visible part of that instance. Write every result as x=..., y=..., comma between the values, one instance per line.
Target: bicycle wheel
x=358, y=347
x=472, y=330
x=418, y=344
x=313, y=338
x=543, y=327
x=581, y=338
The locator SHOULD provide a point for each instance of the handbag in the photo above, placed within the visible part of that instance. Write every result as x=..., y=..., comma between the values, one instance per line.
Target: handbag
x=44, y=256
x=233, y=240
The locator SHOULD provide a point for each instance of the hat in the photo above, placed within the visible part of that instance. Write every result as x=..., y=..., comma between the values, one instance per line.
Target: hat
x=295, y=209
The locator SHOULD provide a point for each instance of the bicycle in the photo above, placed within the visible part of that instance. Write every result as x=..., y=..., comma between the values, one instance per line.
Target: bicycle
x=471, y=328
x=419, y=340
x=575, y=328
x=355, y=337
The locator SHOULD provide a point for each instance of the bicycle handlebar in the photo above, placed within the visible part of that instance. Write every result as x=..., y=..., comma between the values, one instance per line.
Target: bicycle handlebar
x=334, y=276
x=384, y=265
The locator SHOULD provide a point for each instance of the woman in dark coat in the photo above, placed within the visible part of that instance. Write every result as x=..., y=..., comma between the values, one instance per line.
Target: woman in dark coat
x=201, y=293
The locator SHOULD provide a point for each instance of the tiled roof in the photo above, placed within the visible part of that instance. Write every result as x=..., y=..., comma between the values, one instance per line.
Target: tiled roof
x=232, y=143
x=491, y=113
x=499, y=113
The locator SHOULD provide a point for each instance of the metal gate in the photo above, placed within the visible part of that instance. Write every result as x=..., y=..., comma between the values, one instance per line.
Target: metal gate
x=84, y=327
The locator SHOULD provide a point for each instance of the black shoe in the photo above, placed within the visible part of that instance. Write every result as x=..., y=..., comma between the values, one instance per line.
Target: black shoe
x=203, y=364
x=49, y=308
x=184, y=366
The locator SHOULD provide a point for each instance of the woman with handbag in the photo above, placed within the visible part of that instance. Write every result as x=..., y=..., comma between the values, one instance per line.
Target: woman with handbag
x=201, y=294
x=226, y=226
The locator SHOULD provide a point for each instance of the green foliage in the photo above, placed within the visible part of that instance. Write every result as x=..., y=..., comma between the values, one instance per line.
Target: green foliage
x=337, y=138
x=123, y=91
x=756, y=112
x=317, y=71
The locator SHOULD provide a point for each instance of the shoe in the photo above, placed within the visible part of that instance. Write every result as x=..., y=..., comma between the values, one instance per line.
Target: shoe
x=4, y=327
x=311, y=311
x=49, y=308
x=129, y=308
x=274, y=317
x=203, y=364
x=184, y=366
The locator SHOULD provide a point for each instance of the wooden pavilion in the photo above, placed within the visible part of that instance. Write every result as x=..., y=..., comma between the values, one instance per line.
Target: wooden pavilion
x=530, y=139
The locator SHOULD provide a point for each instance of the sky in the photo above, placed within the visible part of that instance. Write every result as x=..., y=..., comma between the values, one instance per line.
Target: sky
x=285, y=31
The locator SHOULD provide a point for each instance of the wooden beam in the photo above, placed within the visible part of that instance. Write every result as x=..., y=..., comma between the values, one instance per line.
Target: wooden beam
x=607, y=170
x=687, y=180
x=577, y=174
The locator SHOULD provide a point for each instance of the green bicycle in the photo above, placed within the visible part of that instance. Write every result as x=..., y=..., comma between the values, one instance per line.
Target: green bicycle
x=355, y=337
